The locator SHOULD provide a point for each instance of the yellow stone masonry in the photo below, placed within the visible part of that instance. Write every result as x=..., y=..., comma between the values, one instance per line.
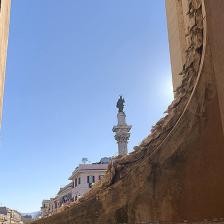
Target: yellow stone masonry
x=4, y=33
x=177, y=23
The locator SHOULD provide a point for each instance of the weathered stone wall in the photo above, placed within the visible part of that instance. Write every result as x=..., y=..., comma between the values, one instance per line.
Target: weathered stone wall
x=177, y=29
x=176, y=173
x=4, y=31
x=216, y=35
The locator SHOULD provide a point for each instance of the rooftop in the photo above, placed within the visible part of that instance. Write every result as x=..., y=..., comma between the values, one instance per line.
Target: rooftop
x=3, y=210
x=68, y=186
x=88, y=167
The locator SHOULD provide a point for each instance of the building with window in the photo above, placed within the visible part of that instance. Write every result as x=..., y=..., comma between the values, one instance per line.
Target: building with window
x=85, y=175
x=9, y=216
x=45, y=208
x=15, y=217
x=64, y=195
x=54, y=205
x=81, y=181
x=3, y=215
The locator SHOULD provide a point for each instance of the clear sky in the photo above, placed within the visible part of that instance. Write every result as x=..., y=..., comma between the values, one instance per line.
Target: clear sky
x=68, y=61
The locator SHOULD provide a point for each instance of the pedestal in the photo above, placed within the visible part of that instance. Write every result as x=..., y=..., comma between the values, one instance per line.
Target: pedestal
x=122, y=133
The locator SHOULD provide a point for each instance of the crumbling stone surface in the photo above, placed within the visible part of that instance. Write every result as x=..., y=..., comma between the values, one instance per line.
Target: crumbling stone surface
x=176, y=173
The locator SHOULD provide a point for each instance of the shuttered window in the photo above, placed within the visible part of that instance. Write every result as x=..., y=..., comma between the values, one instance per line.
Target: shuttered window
x=90, y=179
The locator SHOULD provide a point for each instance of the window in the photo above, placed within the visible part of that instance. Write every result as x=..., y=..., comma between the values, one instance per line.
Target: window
x=79, y=182
x=90, y=179
x=75, y=182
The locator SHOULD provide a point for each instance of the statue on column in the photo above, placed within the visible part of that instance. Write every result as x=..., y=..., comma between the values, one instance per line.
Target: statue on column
x=121, y=130
x=120, y=104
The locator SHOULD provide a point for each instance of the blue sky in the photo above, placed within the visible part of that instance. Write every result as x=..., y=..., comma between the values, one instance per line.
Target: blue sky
x=67, y=65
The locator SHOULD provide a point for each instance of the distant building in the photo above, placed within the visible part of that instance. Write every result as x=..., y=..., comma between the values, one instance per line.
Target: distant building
x=85, y=175
x=3, y=215
x=64, y=195
x=45, y=208
x=105, y=160
x=48, y=207
x=82, y=179
x=8, y=216
x=15, y=216
x=52, y=207
x=27, y=219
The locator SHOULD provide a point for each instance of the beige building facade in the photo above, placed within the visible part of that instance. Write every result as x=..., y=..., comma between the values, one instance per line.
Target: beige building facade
x=177, y=23
x=9, y=216
x=4, y=33
x=81, y=181
x=84, y=176
x=56, y=204
x=45, y=208
x=64, y=196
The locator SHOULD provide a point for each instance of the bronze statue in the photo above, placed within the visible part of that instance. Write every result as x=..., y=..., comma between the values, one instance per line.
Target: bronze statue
x=120, y=104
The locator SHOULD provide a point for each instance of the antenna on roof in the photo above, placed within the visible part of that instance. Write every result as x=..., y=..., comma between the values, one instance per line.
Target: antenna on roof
x=84, y=160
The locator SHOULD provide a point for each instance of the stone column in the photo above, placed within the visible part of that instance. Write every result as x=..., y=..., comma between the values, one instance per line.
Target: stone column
x=122, y=133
